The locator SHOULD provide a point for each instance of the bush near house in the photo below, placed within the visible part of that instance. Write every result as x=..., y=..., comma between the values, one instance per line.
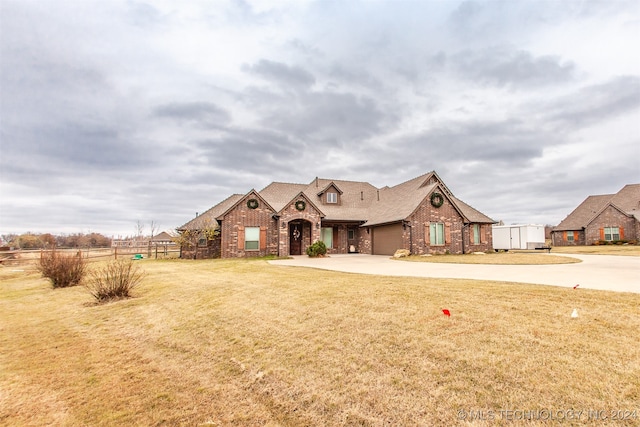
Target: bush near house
x=62, y=270
x=317, y=249
x=615, y=242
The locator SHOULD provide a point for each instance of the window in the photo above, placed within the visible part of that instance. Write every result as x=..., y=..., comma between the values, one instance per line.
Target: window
x=252, y=238
x=332, y=197
x=476, y=234
x=351, y=234
x=436, y=233
x=202, y=241
x=611, y=233
x=326, y=235
x=570, y=236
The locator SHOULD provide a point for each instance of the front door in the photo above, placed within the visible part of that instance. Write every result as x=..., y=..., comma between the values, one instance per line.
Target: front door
x=295, y=239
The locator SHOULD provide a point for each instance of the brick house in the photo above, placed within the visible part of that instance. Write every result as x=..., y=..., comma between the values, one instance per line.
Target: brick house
x=421, y=215
x=602, y=218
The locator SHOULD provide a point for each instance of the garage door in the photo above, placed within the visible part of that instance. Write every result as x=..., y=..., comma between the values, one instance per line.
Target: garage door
x=387, y=239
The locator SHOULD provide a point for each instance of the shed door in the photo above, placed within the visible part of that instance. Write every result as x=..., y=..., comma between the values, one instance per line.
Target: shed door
x=387, y=239
x=515, y=238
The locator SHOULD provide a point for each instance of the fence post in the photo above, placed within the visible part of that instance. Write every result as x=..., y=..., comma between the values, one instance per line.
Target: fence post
x=115, y=253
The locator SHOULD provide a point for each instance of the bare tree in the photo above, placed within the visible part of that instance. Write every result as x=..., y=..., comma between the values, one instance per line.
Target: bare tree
x=139, y=229
x=154, y=228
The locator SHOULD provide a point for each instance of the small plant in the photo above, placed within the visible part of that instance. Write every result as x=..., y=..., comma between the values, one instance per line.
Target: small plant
x=318, y=248
x=114, y=281
x=62, y=270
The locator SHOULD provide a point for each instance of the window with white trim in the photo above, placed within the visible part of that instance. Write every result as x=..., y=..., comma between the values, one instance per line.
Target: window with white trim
x=332, y=197
x=570, y=236
x=326, y=235
x=252, y=238
x=436, y=233
x=611, y=233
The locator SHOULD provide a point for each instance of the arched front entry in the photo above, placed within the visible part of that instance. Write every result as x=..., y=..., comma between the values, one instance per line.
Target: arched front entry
x=299, y=236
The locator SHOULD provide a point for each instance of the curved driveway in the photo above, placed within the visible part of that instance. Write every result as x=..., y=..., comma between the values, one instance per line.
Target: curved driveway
x=604, y=272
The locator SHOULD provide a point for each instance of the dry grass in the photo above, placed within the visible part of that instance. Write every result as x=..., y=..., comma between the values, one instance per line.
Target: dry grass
x=630, y=250
x=529, y=257
x=229, y=343
x=496, y=258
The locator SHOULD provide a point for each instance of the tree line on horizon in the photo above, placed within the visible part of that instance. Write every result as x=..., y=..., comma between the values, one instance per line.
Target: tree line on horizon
x=49, y=241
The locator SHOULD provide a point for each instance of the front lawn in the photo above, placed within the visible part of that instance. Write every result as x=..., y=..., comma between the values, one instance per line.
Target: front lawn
x=236, y=342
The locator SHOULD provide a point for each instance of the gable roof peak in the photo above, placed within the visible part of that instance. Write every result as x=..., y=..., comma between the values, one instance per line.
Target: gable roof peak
x=331, y=184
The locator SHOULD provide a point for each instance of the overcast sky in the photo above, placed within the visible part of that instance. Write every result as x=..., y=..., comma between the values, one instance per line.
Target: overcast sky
x=114, y=112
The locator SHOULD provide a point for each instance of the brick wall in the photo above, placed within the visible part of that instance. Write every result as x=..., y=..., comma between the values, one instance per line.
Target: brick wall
x=423, y=217
x=310, y=231
x=457, y=237
x=611, y=217
x=558, y=238
x=242, y=216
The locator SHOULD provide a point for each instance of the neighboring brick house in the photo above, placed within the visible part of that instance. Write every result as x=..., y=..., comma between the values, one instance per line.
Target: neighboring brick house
x=420, y=215
x=601, y=219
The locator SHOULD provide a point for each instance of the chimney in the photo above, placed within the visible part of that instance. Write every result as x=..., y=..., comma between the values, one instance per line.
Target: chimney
x=316, y=182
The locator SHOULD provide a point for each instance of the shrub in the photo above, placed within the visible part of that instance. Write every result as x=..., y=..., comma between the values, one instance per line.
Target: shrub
x=62, y=270
x=114, y=281
x=318, y=248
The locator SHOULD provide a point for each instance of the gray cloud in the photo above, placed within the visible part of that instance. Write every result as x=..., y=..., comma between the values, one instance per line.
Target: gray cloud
x=505, y=66
x=329, y=116
x=596, y=103
x=117, y=111
x=204, y=114
x=250, y=150
x=281, y=74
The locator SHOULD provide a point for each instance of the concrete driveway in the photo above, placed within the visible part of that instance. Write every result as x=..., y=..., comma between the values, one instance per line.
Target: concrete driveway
x=604, y=272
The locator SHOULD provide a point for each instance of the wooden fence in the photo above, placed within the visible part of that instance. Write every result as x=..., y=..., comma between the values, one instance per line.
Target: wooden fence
x=23, y=257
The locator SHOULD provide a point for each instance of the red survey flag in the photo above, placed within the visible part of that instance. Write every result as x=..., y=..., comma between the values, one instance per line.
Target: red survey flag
x=576, y=286
x=446, y=312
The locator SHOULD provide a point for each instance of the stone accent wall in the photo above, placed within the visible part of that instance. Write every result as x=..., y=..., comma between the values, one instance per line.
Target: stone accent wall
x=364, y=240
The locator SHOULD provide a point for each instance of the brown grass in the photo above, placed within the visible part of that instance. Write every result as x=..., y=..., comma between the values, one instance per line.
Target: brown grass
x=630, y=250
x=496, y=258
x=230, y=343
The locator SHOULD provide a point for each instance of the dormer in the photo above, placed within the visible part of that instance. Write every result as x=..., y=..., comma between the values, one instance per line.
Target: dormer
x=330, y=195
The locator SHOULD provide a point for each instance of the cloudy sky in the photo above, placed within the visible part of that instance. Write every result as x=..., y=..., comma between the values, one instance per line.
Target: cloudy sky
x=114, y=112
